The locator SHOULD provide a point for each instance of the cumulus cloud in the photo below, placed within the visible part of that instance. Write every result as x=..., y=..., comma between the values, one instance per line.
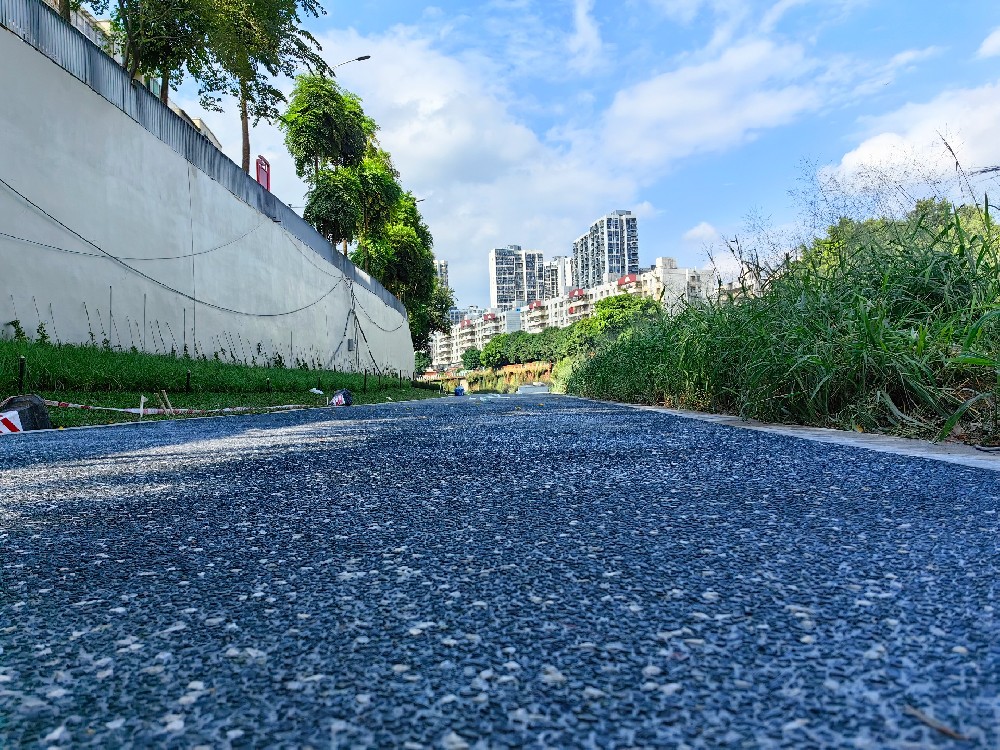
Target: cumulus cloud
x=991, y=45
x=712, y=105
x=906, y=147
x=487, y=179
x=701, y=234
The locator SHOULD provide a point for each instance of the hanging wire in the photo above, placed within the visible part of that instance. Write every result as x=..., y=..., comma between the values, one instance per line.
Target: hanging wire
x=146, y=276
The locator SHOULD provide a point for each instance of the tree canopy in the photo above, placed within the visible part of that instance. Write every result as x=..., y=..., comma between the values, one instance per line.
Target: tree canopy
x=355, y=196
x=471, y=359
x=612, y=316
x=324, y=127
x=231, y=47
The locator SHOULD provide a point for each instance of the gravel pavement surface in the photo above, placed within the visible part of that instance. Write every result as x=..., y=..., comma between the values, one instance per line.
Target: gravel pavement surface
x=532, y=571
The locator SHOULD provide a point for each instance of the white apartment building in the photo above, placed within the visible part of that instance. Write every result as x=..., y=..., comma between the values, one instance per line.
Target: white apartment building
x=557, y=277
x=664, y=282
x=515, y=277
x=471, y=333
x=441, y=271
x=672, y=286
x=608, y=251
x=457, y=314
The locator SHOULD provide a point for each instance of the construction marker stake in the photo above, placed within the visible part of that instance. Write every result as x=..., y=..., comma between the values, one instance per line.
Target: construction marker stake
x=10, y=422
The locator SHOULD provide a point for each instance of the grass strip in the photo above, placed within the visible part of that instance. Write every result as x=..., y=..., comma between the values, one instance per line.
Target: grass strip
x=102, y=377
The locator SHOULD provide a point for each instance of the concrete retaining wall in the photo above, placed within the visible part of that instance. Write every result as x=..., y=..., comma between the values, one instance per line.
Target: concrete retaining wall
x=108, y=235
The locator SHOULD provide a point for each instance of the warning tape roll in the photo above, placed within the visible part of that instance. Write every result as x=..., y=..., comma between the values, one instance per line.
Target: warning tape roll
x=173, y=412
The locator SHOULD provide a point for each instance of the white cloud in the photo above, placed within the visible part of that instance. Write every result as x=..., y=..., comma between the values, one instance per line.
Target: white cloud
x=712, y=105
x=585, y=45
x=991, y=45
x=701, y=234
x=904, y=156
x=645, y=210
x=487, y=179
x=777, y=11
x=873, y=78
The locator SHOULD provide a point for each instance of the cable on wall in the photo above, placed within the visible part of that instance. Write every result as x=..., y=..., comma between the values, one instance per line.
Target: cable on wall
x=147, y=277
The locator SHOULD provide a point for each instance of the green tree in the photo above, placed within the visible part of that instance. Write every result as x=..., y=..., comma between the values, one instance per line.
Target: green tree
x=580, y=338
x=333, y=205
x=324, y=127
x=612, y=315
x=401, y=262
x=380, y=195
x=430, y=315
x=471, y=359
x=421, y=362
x=157, y=38
x=252, y=41
x=495, y=352
x=355, y=196
x=357, y=204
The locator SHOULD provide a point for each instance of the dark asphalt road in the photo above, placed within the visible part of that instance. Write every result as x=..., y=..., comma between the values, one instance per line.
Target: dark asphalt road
x=520, y=572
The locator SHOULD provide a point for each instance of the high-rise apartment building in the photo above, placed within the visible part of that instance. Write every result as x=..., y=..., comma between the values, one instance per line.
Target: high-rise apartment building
x=557, y=276
x=515, y=277
x=441, y=271
x=608, y=251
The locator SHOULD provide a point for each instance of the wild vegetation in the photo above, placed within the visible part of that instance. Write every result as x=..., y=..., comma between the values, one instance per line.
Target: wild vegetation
x=889, y=325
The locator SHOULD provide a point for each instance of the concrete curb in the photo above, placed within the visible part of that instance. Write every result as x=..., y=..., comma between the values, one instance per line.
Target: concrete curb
x=964, y=455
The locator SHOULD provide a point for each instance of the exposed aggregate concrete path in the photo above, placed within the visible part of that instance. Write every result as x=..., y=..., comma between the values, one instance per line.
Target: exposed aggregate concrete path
x=528, y=571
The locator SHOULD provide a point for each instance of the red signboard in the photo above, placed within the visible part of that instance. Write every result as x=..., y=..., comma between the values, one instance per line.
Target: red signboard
x=627, y=279
x=576, y=293
x=264, y=172
x=490, y=316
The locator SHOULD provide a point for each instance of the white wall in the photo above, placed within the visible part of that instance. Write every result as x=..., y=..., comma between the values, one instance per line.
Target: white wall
x=90, y=167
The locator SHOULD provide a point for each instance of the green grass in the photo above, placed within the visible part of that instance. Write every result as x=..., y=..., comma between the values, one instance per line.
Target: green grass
x=882, y=326
x=98, y=377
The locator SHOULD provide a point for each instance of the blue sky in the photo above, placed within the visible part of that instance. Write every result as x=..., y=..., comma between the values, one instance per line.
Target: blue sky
x=521, y=121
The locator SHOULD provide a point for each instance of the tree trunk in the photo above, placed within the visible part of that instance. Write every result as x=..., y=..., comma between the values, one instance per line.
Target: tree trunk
x=345, y=247
x=164, y=86
x=245, y=122
x=64, y=10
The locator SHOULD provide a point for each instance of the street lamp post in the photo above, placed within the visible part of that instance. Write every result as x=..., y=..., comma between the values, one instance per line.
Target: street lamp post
x=353, y=59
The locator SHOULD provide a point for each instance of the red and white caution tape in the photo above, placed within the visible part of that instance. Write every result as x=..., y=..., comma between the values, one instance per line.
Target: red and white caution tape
x=172, y=412
x=10, y=422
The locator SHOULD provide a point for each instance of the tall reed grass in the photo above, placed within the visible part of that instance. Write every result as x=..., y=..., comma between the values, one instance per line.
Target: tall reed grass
x=882, y=325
